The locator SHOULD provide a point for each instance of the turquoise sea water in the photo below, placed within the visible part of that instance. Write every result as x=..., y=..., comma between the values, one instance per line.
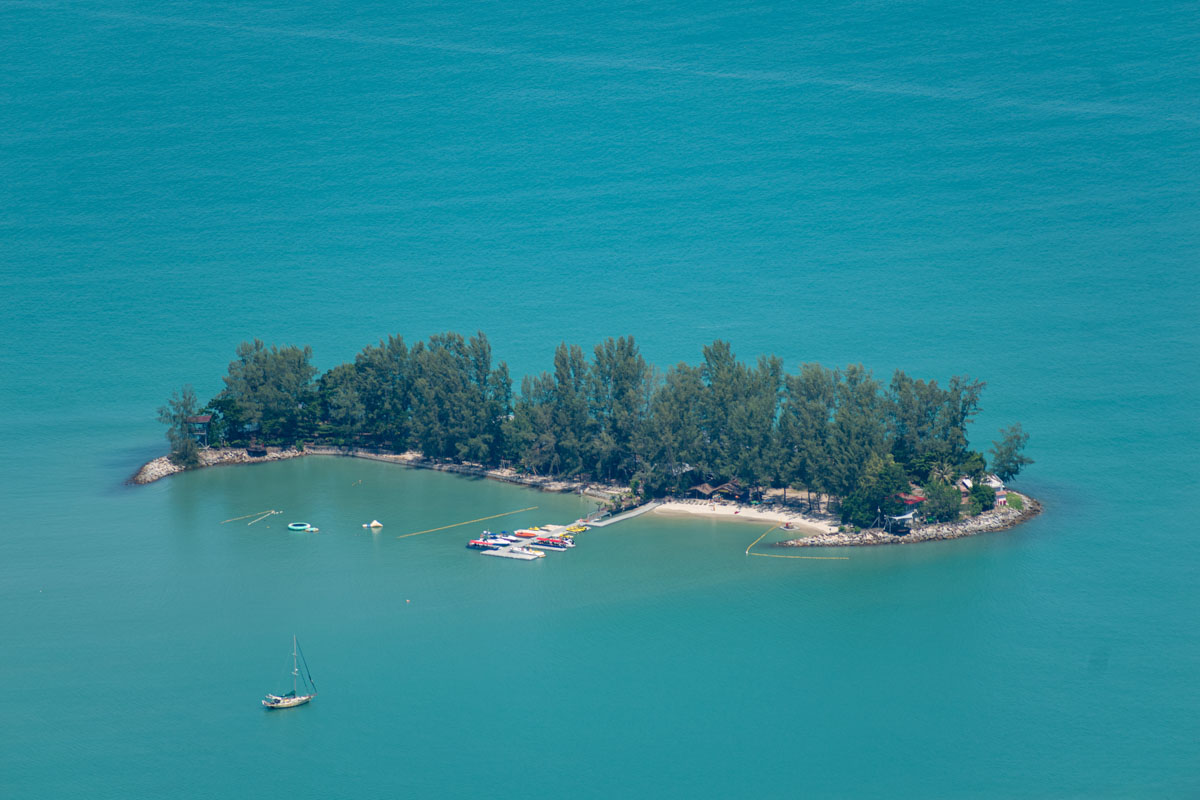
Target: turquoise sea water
x=1008, y=191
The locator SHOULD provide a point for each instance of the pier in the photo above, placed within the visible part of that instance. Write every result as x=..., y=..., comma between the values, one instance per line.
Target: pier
x=591, y=521
x=601, y=522
x=506, y=552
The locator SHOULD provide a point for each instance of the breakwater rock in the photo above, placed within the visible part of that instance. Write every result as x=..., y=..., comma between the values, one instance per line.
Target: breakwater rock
x=415, y=459
x=216, y=456
x=997, y=519
x=212, y=457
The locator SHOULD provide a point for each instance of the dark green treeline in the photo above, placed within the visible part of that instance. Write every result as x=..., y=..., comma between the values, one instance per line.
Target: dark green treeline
x=613, y=417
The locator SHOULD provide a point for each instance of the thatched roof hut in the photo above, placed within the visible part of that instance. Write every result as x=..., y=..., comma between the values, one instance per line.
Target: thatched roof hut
x=731, y=488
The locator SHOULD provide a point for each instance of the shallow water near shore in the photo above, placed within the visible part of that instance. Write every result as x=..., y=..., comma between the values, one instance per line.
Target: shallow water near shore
x=1010, y=194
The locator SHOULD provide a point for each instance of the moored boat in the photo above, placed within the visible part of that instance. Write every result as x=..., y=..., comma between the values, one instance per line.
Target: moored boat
x=548, y=543
x=299, y=681
x=484, y=544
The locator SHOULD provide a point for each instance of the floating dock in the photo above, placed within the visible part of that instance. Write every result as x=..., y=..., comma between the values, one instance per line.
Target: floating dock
x=553, y=531
x=508, y=553
x=601, y=522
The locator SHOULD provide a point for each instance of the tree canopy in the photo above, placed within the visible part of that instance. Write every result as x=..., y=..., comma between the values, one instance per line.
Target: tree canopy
x=1007, y=457
x=613, y=417
x=268, y=390
x=174, y=415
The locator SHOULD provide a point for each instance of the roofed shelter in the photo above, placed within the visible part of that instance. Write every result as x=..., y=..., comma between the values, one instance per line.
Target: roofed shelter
x=197, y=427
x=731, y=488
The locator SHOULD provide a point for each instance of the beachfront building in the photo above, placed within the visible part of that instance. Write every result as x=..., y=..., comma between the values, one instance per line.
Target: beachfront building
x=732, y=489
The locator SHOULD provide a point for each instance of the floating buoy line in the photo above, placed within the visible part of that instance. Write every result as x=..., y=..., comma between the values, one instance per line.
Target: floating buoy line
x=807, y=558
x=760, y=538
x=775, y=555
x=468, y=522
x=259, y=515
x=375, y=525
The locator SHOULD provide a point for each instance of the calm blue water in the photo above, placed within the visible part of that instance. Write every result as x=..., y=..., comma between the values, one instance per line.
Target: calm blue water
x=1008, y=191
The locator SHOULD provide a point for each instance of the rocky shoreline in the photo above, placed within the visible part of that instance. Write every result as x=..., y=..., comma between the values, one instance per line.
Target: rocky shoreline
x=162, y=467
x=997, y=519
x=417, y=460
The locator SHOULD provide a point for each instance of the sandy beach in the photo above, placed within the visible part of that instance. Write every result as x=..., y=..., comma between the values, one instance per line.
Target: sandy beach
x=812, y=530
x=773, y=513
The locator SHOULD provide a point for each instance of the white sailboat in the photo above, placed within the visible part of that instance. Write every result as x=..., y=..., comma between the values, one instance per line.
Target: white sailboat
x=299, y=682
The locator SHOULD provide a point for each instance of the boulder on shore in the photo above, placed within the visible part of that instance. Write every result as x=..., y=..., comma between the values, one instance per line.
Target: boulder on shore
x=997, y=519
x=163, y=466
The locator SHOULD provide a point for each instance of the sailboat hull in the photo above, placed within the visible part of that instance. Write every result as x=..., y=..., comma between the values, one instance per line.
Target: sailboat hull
x=294, y=698
x=273, y=701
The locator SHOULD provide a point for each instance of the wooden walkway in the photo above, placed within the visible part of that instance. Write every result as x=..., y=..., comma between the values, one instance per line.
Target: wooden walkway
x=630, y=514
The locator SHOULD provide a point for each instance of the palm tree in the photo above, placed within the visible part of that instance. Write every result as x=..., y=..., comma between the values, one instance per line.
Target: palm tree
x=943, y=471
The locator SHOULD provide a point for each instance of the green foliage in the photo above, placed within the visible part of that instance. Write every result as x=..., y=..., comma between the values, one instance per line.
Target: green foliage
x=1015, y=501
x=943, y=472
x=672, y=442
x=458, y=402
x=857, y=431
x=973, y=466
x=268, y=393
x=809, y=402
x=738, y=407
x=174, y=415
x=942, y=502
x=341, y=400
x=982, y=495
x=1007, y=458
x=613, y=417
x=881, y=482
x=927, y=424
x=382, y=378
x=619, y=384
x=529, y=438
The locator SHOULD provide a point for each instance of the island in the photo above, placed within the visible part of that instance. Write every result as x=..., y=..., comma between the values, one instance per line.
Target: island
x=835, y=454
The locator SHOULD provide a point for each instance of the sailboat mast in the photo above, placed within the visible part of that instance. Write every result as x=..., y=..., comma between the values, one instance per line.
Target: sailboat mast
x=295, y=665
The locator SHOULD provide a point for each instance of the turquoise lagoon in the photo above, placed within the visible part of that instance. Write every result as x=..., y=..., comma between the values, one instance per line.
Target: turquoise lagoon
x=1007, y=192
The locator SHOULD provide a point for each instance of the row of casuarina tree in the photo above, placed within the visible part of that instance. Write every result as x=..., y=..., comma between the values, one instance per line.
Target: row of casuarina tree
x=615, y=418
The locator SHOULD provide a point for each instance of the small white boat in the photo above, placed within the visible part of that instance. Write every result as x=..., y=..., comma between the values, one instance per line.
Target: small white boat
x=549, y=544
x=299, y=681
x=373, y=524
x=527, y=551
